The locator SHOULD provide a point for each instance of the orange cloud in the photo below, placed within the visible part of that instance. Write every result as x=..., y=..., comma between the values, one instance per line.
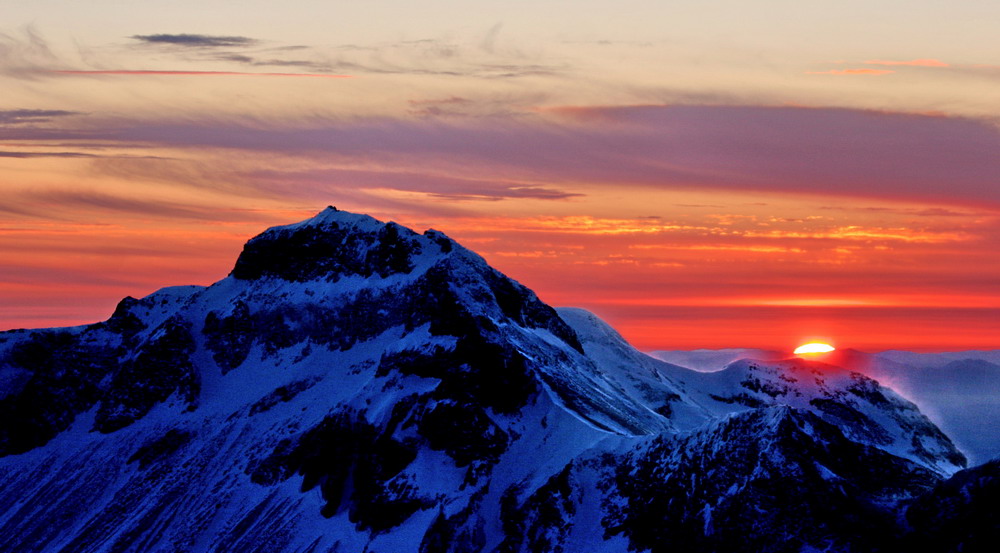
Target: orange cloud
x=853, y=232
x=922, y=62
x=579, y=224
x=718, y=247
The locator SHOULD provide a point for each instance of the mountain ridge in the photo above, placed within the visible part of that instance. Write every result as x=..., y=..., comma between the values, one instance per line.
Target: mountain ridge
x=959, y=391
x=354, y=385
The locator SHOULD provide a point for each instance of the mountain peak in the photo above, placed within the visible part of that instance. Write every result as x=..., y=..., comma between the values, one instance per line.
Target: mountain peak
x=334, y=244
x=333, y=216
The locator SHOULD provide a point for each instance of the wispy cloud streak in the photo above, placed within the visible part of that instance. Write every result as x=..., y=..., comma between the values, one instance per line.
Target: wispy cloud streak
x=823, y=151
x=162, y=73
x=32, y=116
x=30, y=155
x=195, y=40
x=815, y=151
x=873, y=72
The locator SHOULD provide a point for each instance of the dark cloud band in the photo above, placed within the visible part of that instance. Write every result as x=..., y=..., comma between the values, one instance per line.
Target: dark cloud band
x=196, y=41
x=30, y=155
x=29, y=116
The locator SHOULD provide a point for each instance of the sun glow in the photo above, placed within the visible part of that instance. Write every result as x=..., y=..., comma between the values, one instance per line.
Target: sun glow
x=814, y=347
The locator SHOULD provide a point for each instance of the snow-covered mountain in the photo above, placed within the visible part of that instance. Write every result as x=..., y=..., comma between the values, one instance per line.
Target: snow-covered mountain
x=709, y=360
x=959, y=391
x=355, y=386
x=862, y=409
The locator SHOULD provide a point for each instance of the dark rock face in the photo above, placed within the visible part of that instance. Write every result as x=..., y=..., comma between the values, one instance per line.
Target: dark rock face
x=107, y=364
x=460, y=533
x=959, y=514
x=357, y=467
x=123, y=321
x=158, y=368
x=230, y=337
x=281, y=394
x=507, y=300
x=541, y=522
x=161, y=448
x=476, y=371
x=767, y=480
x=328, y=251
x=62, y=378
x=464, y=431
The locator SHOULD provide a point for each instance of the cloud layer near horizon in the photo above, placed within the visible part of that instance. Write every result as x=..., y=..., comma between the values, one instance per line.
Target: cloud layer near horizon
x=563, y=152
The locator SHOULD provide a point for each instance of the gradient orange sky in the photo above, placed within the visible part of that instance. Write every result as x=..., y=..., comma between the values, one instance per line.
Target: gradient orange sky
x=703, y=174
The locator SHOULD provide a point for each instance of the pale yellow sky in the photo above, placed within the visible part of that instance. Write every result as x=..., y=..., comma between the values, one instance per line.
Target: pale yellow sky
x=556, y=53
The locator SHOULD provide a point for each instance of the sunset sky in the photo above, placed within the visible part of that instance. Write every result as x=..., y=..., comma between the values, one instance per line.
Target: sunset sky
x=698, y=173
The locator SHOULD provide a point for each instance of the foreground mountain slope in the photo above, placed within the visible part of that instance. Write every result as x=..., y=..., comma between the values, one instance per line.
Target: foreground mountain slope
x=355, y=386
x=960, y=514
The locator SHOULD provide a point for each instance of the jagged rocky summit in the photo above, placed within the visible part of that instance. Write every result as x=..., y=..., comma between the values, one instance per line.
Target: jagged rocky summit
x=355, y=386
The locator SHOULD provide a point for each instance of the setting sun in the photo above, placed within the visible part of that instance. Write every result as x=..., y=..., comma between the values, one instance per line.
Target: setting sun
x=814, y=347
